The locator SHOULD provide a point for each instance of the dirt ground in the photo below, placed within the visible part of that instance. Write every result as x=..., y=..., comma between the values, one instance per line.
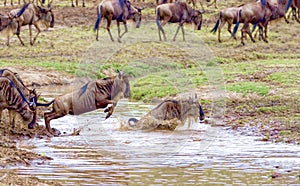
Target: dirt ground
x=39, y=76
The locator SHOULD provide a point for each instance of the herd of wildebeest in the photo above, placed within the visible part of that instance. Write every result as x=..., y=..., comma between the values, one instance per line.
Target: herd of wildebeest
x=105, y=93
x=259, y=13
x=99, y=94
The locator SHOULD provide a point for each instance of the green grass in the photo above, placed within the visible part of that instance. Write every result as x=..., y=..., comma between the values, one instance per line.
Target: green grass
x=249, y=87
x=272, y=109
x=289, y=78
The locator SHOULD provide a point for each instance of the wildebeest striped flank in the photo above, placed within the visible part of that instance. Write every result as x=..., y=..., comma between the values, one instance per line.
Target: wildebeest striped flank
x=93, y=95
x=30, y=95
x=12, y=98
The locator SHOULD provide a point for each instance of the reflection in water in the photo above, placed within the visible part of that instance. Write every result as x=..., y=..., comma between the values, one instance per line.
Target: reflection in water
x=104, y=154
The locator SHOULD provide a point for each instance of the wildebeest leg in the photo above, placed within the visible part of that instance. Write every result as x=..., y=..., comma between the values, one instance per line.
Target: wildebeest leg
x=1, y=110
x=219, y=30
x=263, y=33
x=119, y=31
x=286, y=20
x=297, y=18
x=108, y=28
x=38, y=32
x=213, y=2
x=242, y=36
x=49, y=116
x=250, y=33
x=12, y=116
x=182, y=30
x=18, y=33
x=110, y=111
x=7, y=41
x=194, y=4
x=247, y=30
x=174, y=38
x=160, y=29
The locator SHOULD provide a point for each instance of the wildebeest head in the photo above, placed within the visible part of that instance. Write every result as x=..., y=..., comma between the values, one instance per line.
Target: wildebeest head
x=136, y=15
x=47, y=16
x=121, y=85
x=4, y=21
x=197, y=18
x=192, y=108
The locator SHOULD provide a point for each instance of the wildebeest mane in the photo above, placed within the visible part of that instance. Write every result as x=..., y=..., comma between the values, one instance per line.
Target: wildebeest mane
x=12, y=99
x=83, y=89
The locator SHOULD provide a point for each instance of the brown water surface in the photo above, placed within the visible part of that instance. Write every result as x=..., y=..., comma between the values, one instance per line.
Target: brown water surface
x=103, y=154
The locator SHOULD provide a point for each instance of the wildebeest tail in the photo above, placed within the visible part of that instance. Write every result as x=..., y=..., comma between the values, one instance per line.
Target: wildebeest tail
x=44, y=104
x=201, y=113
x=288, y=5
x=237, y=23
x=217, y=24
x=21, y=11
x=263, y=2
x=254, y=27
x=132, y=122
x=157, y=20
x=98, y=18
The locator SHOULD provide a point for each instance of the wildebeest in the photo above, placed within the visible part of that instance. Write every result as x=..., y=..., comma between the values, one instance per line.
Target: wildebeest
x=193, y=2
x=9, y=25
x=93, y=95
x=30, y=95
x=159, y=2
x=76, y=2
x=11, y=2
x=276, y=9
x=113, y=10
x=32, y=15
x=12, y=98
x=169, y=114
x=179, y=12
x=250, y=13
x=213, y=2
x=229, y=16
x=296, y=10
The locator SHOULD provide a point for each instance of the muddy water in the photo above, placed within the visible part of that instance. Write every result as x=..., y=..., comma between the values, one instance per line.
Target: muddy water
x=104, y=154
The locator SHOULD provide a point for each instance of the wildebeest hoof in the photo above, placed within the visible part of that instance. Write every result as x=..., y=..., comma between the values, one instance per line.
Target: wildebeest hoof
x=30, y=126
x=107, y=116
x=55, y=132
x=106, y=110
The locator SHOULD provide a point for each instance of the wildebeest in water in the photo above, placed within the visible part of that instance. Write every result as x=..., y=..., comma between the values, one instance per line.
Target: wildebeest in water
x=119, y=10
x=93, y=95
x=178, y=12
x=12, y=98
x=30, y=95
x=33, y=15
x=169, y=114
